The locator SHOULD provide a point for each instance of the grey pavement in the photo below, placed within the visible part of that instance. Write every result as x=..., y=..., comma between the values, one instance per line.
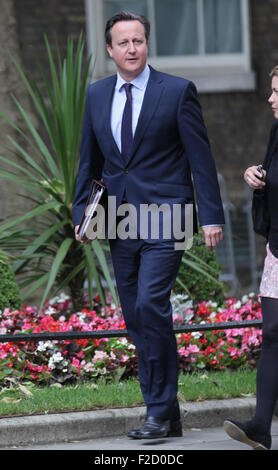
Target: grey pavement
x=193, y=439
x=106, y=429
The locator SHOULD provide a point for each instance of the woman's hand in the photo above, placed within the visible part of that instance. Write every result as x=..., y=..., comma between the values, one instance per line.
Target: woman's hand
x=252, y=175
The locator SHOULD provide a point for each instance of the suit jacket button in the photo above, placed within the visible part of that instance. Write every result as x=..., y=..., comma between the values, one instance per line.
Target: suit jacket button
x=126, y=171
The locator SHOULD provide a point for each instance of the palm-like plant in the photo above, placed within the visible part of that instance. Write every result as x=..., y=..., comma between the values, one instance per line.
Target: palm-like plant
x=42, y=240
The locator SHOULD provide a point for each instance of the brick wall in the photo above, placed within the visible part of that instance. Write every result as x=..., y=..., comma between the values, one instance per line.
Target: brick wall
x=57, y=19
x=238, y=123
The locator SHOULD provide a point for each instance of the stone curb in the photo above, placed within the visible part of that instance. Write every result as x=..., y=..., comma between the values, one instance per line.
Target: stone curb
x=87, y=425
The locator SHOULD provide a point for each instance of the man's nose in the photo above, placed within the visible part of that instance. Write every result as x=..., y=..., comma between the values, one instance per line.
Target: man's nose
x=131, y=47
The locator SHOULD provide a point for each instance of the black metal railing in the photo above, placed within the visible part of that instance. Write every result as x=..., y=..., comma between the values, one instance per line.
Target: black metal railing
x=97, y=334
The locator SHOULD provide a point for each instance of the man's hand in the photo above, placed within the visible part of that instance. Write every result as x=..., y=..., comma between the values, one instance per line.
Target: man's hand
x=213, y=235
x=76, y=234
x=84, y=241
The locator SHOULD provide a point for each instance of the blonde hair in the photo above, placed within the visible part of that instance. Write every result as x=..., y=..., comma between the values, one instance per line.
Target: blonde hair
x=274, y=72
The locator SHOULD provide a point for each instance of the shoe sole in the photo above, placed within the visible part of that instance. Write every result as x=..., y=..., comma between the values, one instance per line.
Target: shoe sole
x=169, y=434
x=235, y=432
x=139, y=436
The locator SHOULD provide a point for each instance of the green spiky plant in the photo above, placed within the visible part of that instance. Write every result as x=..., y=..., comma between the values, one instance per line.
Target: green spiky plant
x=42, y=240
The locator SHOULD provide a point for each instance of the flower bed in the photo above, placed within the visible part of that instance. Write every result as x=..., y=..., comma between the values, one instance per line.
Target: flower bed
x=88, y=359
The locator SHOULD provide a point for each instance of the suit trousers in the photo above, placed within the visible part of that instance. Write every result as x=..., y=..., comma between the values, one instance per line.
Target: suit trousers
x=145, y=273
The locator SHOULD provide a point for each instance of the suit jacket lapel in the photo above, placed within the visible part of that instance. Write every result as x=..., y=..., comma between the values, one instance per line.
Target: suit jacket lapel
x=107, y=108
x=149, y=105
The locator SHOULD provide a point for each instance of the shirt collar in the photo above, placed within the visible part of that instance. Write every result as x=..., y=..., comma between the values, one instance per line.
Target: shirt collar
x=139, y=82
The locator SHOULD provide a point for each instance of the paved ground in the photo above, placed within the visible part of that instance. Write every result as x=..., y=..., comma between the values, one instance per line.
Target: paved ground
x=102, y=433
x=193, y=439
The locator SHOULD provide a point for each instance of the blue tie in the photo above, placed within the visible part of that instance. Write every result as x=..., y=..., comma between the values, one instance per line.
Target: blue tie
x=126, y=133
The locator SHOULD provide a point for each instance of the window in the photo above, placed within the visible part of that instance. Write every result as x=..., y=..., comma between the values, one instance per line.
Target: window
x=204, y=40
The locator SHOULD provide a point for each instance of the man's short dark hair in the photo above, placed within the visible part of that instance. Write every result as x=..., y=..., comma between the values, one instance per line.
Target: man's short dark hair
x=126, y=16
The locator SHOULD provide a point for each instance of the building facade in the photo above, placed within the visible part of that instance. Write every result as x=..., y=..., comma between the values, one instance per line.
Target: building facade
x=227, y=47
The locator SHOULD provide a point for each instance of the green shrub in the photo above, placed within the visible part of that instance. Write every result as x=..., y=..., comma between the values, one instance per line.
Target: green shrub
x=9, y=291
x=202, y=279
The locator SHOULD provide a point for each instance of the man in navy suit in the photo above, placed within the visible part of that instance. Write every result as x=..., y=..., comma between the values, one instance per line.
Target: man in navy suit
x=145, y=143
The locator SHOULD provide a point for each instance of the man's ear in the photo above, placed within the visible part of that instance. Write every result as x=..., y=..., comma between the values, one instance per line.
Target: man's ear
x=109, y=49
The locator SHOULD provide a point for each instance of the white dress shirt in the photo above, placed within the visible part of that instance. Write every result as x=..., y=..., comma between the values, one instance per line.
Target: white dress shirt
x=119, y=99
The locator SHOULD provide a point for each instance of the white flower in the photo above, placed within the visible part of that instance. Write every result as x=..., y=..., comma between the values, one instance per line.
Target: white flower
x=50, y=310
x=189, y=314
x=57, y=358
x=59, y=299
x=196, y=335
x=122, y=341
x=81, y=316
x=44, y=345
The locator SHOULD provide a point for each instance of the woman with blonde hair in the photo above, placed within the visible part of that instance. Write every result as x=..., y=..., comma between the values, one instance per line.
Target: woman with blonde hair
x=257, y=431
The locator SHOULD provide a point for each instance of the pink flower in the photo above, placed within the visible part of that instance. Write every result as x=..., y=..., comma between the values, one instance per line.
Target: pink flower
x=75, y=362
x=234, y=352
x=191, y=349
x=99, y=356
x=3, y=354
x=124, y=358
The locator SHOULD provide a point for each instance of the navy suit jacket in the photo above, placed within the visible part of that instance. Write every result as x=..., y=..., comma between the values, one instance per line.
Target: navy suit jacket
x=170, y=146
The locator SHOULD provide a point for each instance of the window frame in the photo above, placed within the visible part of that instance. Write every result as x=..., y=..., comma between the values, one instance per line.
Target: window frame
x=210, y=72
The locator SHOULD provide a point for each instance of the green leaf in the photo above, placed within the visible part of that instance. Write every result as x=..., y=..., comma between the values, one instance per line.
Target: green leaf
x=93, y=274
x=61, y=253
x=104, y=266
x=38, y=242
x=39, y=141
x=29, y=215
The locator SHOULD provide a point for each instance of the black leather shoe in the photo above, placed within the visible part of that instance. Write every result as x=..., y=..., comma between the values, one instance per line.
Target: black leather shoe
x=243, y=432
x=153, y=428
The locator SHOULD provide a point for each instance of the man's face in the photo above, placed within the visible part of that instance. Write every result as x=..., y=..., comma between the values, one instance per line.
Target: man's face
x=129, y=48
